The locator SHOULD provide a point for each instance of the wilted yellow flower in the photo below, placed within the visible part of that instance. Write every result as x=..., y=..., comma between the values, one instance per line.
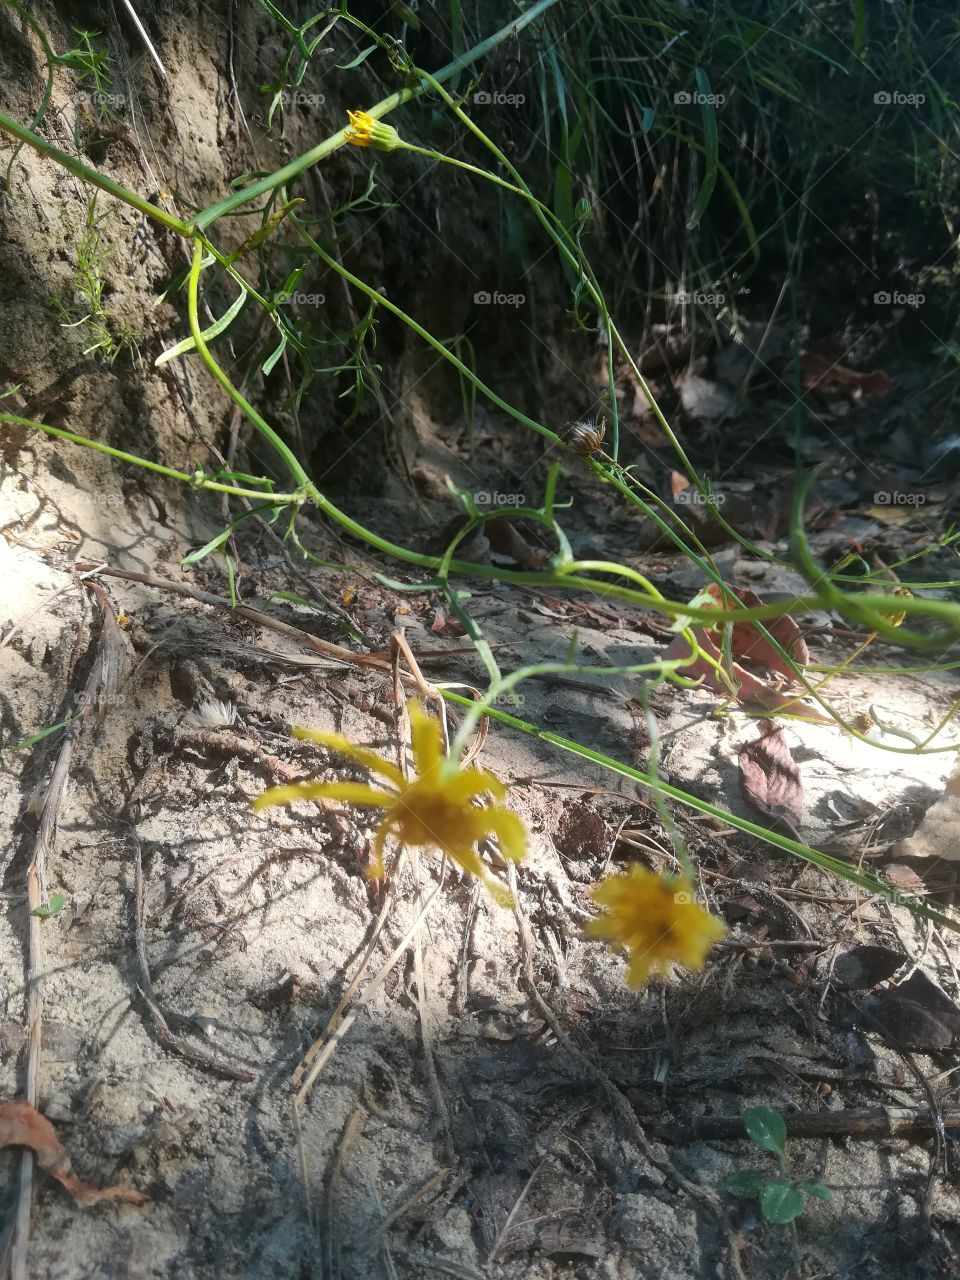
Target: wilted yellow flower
x=431, y=810
x=365, y=131
x=657, y=919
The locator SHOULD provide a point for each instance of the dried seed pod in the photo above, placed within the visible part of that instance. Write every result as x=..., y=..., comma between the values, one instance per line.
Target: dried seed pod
x=584, y=438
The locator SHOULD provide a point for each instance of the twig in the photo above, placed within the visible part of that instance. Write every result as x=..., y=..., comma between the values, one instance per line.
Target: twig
x=347, y=1138
x=873, y=1122
x=508, y=1223
x=199, y=1057
x=322, y=1050
x=100, y=685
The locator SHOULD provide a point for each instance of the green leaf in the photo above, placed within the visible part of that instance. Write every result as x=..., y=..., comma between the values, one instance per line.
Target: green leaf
x=765, y=1126
x=814, y=1187
x=745, y=1182
x=710, y=148
x=214, y=331
x=267, y=367
x=213, y=545
x=362, y=56
x=780, y=1202
x=39, y=736
x=52, y=907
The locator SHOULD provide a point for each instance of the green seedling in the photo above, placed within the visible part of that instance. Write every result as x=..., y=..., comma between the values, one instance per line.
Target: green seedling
x=104, y=333
x=51, y=908
x=781, y=1198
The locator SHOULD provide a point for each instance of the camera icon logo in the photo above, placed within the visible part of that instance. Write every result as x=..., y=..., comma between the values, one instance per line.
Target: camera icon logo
x=481, y=98
x=683, y=98
x=882, y=99
x=481, y=298
x=882, y=298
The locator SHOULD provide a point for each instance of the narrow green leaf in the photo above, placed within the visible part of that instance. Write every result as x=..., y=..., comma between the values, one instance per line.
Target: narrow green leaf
x=780, y=1202
x=859, y=27
x=362, y=56
x=39, y=736
x=745, y=1182
x=708, y=114
x=765, y=1126
x=267, y=367
x=213, y=545
x=218, y=327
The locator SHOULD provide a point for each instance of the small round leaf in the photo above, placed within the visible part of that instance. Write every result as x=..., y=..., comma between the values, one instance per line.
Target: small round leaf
x=745, y=1182
x=780, y=1202
x=765, y=1126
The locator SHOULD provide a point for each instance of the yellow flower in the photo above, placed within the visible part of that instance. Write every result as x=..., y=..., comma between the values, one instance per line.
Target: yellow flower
x=657, y=919
x=432, y=810
x=365, y=131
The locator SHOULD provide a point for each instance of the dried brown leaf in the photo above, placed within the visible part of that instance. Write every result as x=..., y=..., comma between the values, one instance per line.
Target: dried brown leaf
x=21, y=1125
x=938, y=835
x=770, y=777
x=752, y=689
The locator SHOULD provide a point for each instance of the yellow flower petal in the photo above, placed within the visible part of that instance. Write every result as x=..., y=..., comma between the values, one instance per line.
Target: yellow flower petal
x=509, y=830
x=474, y=782
x=425, y=738
x=657, y=919
x=337, y=742
x=349, y=792
x=376, y=869
x=433, y=809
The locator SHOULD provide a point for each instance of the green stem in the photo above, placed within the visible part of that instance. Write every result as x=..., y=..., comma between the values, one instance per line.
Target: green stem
x=196, y=481
x=86, y=174
x=382, y=108
x=237, y=396
x=822, y=860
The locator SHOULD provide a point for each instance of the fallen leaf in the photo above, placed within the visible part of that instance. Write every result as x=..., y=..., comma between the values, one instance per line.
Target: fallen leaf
x=21, y=1125
x=444, y=625
x=581, y=833
x=750, y=645
x=770, y=777
x=938, y=835
x=917, y=1014
x=678, y=483
x=864, y=966
x=751, y=690
x=824, y=374
x=508, y=543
